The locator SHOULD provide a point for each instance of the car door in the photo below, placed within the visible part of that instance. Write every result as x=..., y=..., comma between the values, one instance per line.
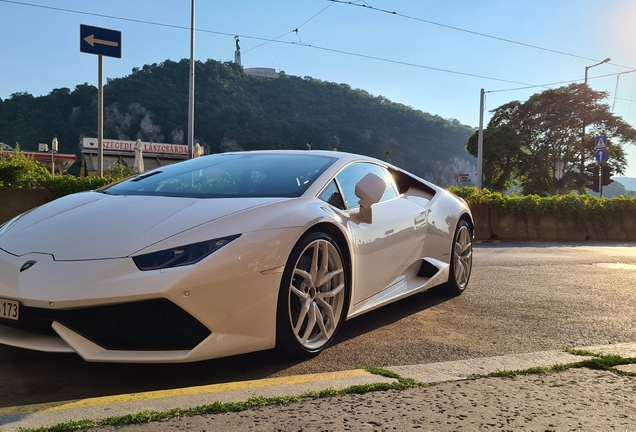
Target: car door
x=385, y=248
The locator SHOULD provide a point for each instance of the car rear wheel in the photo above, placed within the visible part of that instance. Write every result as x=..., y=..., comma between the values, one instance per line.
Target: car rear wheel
x=313, y=296
x=462, y=260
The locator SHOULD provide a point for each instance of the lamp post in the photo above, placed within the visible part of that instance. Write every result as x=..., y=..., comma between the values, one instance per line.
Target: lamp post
x=616, y=89
x=53, y=150
x=480, y=141
x=191, y=88
x=583, y=117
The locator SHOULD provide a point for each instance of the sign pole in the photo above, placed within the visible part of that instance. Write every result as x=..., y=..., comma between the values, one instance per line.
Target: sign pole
x=600, y=183
x=101, y=42
x=100, y=118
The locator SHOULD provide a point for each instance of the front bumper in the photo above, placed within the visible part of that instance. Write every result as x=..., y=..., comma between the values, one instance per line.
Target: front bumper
x=109, y=311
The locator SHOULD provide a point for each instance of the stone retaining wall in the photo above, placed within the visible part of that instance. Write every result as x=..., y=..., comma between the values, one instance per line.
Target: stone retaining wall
x=16, y=201
x=490, y=224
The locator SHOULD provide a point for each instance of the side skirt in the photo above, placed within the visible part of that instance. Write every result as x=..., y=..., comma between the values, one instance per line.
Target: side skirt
x=405, y=286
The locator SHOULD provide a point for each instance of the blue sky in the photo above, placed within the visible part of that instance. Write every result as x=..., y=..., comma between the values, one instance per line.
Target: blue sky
x=434, y=56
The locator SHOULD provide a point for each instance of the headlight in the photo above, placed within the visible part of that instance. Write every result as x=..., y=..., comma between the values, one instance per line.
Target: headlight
x=182, y=255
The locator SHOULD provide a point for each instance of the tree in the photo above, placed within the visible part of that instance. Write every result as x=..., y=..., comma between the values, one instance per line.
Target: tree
x=549, y=127
x=502, y=156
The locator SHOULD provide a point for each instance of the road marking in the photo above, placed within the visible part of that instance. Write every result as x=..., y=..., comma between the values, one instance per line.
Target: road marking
x=188, y=391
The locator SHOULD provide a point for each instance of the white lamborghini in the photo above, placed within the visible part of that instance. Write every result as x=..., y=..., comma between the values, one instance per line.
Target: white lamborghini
x=227, y=254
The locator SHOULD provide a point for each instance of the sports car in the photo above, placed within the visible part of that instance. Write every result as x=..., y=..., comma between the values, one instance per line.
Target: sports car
x=227, y=254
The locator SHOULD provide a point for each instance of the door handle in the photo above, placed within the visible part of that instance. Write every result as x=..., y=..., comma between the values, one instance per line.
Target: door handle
x=422, y=218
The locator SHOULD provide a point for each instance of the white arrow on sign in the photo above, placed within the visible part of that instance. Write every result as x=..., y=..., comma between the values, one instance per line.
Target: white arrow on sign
x=92, y=41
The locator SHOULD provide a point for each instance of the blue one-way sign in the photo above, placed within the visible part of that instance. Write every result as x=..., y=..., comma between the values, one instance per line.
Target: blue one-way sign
x=100, y=41
x=601, y=155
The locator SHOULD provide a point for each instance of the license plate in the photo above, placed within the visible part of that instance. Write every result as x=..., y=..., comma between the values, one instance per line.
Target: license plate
x=9, y=309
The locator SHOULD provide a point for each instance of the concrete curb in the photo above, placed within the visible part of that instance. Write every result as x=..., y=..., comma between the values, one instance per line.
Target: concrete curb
x=49, y=414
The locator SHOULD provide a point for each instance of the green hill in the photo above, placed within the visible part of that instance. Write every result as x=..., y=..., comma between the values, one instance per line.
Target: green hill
x=236, y=111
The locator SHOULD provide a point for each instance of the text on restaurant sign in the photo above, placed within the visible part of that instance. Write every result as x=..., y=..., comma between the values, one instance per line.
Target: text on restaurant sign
x=121, y=145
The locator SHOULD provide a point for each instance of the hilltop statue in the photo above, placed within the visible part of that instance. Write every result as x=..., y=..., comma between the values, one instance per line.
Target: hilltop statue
x=237, y=53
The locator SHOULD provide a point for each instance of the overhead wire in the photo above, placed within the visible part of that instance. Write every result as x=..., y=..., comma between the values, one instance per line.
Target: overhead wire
x=101, y=15
x=366, y=6
x=292, y=31
x=551, y=84
x=412, y=64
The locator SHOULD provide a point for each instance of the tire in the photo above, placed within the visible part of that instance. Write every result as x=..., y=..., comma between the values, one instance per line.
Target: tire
x=313, y=296
x=462, y=259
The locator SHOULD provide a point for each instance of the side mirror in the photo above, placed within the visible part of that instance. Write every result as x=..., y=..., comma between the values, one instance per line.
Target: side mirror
x=370, y=190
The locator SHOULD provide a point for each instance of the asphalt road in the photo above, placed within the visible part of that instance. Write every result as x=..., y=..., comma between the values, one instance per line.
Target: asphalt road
x=522, y=298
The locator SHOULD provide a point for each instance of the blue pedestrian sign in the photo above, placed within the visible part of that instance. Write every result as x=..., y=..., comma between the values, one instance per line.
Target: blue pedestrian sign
x=601, y=155
x=100, y=41
x=600, y=142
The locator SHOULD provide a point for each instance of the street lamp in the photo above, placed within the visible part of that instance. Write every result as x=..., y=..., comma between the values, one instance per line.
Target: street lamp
x=616, y=89
x=599, y=63
x=583, y=117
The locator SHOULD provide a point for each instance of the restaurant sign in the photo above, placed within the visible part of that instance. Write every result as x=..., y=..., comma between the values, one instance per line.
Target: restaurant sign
x=129, y=146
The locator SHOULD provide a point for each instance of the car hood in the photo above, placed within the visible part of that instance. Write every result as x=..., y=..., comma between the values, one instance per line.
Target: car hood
x=93, y=225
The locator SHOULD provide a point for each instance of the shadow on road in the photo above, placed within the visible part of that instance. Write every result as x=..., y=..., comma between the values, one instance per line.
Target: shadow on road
x=391, y=313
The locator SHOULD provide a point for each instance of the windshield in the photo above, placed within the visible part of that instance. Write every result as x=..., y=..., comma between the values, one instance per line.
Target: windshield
x=229, y=175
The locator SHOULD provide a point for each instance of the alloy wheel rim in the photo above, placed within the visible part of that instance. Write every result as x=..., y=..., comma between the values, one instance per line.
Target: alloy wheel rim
x=463, y=256
x=317, y=294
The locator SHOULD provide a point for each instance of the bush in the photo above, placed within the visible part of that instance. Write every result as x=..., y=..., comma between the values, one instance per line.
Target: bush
x=20, y=171
x=577, y=209
x=67, y=184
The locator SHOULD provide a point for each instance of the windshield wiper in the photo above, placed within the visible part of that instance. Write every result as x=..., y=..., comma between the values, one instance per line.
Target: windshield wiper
x=145, y=176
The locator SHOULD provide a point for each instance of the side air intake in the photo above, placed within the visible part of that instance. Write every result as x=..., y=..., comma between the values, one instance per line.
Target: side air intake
x=427, y=269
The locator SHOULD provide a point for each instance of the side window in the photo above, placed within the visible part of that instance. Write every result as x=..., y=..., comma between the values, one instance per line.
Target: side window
x=351, y=175
x=331, y=195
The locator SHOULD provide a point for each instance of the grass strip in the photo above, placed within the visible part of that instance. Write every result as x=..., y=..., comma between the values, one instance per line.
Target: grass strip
x=599, y=362
x=224, y=407
x=148, y=416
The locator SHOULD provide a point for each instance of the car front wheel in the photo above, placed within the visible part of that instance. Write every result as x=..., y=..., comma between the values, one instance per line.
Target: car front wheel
x=313, y=296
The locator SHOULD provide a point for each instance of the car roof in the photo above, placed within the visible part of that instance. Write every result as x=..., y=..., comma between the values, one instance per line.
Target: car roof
x=344, y=156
